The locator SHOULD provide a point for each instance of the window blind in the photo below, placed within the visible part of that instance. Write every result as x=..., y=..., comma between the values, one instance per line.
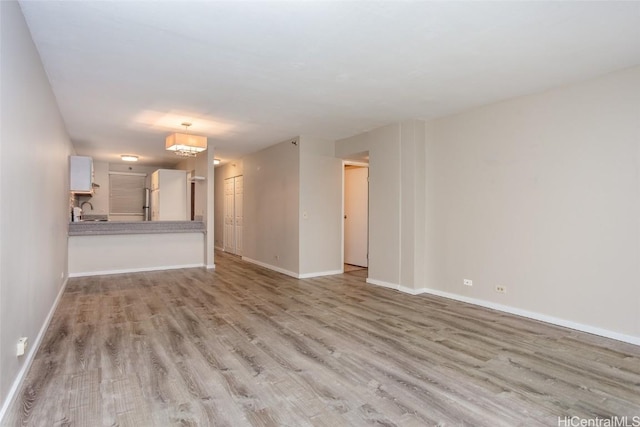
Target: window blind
x=126, y=193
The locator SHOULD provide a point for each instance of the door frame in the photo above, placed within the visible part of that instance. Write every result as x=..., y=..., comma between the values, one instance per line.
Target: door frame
x=361, y=164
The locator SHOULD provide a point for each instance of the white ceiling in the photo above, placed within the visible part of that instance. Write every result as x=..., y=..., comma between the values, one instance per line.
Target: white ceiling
x=251, y=74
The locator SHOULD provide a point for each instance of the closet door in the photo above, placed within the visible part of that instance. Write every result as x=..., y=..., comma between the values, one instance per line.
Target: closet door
x=229, y=216
x=238, y=213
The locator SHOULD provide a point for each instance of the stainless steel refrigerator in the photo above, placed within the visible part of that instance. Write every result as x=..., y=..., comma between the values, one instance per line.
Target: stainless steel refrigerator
x=146, y=213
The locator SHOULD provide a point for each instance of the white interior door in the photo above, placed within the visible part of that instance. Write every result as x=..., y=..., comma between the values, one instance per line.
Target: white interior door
x=356, y=215
x=238, y=191
x=229, y=215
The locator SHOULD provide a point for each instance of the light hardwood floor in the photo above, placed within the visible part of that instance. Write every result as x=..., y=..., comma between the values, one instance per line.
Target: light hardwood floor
x=248, y=346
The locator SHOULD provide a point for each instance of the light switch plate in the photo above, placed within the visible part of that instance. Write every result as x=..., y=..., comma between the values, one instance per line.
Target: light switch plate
x=22, y=346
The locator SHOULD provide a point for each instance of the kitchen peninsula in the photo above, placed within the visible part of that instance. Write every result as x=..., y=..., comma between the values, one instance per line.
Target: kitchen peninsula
x=110, y=247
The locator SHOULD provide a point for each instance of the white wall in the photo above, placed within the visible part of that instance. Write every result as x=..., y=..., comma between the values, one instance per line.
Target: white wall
x=120, y=253
x=412, y=205
x=34, y=192
x=320, y=214
x=202, y=165
x=133, y=168
x=271, y=206
x=198, y=165
x=281, y=184
x=541, y=194
x=202, y=187
x=383, y=145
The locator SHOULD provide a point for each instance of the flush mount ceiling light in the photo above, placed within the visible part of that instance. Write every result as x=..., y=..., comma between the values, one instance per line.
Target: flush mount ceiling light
x=129, y=158
x=186, y=144
x=216, y=161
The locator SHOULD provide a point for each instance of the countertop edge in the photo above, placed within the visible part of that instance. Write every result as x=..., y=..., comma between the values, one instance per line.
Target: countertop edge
x=97, y=228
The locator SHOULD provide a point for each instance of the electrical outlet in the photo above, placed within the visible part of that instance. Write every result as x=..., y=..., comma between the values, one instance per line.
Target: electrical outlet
x=501, y=289
x=467, y=282
x=22, y=346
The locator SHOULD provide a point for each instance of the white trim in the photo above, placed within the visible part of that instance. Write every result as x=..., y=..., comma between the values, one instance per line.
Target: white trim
x=354, y=163
x=319, y=274
x=410, y=291
x=134, y=270
x=342, y=217
x=33, y=349
x=383, y=284
x=400, y=145
x=516, y=311
x=291, y=273
x=219, y=248
x=211, y=266
x=394, y=286
x=271, y=267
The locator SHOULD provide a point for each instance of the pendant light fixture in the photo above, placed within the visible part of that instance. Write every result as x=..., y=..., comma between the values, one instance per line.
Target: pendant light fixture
x=186, y=144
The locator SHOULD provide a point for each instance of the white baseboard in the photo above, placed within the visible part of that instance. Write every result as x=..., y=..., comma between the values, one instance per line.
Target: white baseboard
x=270, y=267
x=383, y=284
x=291, y=273
x=134, y=270
x=513, y=310
x=33, y=349
x=319, y=274
x=211, y=266
x=394, y=286
x=218, y=248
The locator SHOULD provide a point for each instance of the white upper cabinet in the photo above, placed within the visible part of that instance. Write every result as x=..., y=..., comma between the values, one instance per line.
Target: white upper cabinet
x=81, y=174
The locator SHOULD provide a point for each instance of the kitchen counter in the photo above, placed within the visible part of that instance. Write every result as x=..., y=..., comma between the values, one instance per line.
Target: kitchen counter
x=112, y=247
x=97, y=228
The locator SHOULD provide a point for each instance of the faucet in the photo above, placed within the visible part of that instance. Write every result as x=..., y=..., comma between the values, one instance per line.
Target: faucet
x=84, y=203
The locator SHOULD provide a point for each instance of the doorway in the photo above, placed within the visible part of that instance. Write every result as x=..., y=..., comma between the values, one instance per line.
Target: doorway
x=356, y=216
x=192, y=204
